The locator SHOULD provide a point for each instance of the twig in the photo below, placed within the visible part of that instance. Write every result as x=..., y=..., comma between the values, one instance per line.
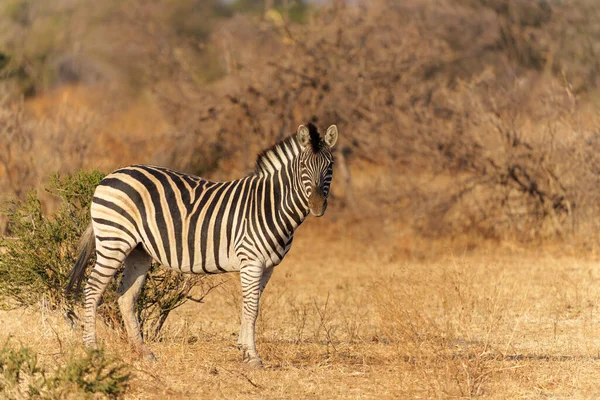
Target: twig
x=201, y=298
x=256, y=385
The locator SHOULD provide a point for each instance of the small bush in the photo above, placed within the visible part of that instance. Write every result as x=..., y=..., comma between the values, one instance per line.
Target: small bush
x=164, y=291
x=92, y=373
x=21, y=376
x=39, y=252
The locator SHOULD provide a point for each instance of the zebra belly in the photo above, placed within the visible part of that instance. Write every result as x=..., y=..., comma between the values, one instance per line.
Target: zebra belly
x=203, y=263
x=196, y=251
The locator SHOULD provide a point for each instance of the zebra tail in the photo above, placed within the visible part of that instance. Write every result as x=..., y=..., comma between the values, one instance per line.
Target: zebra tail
x=85, y=250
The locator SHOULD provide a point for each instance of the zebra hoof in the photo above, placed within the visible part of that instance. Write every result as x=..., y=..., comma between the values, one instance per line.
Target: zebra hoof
x=251, y=357
x=147, y=354
x=255, y=362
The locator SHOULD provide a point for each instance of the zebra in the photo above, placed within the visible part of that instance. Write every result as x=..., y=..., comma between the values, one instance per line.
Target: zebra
x=141, y=213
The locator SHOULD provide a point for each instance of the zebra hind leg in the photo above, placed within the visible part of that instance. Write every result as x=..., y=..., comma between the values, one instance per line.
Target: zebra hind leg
x=137, y=265
x=108, y=262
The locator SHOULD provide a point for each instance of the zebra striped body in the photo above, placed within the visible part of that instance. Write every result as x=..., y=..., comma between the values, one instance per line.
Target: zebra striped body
x=192, y=225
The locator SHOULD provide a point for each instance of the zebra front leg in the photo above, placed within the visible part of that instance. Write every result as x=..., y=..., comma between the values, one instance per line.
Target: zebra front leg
x=250, y=276
x=266, y=275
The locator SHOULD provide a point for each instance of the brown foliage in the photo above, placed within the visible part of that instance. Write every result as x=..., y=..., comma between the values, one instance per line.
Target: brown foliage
x=447, y=108
x=464, y=118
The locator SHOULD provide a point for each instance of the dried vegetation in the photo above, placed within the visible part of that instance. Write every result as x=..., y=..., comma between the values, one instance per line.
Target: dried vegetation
x=469, y=142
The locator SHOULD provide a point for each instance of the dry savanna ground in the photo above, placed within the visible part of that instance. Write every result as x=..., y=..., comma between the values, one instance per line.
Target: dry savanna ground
x=468, y=151
x=345, y=317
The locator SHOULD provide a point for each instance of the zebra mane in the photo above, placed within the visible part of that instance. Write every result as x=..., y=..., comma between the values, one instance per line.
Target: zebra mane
x=277, y=156
x=315, y=138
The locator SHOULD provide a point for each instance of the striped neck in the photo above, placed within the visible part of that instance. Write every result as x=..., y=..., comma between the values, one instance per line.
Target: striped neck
x=277, y=157
x=280, y=165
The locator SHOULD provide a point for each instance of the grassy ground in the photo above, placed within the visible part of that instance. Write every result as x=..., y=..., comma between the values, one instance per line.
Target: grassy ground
x=344, y=319
x=486, y=124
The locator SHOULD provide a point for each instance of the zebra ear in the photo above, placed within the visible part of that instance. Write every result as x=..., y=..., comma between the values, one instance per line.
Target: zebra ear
x=331, y=135
x=303, y=136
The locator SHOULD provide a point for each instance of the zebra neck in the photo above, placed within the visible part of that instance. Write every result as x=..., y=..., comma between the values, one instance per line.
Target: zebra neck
x=278, y=157
x=278, y=168
x=290, y=199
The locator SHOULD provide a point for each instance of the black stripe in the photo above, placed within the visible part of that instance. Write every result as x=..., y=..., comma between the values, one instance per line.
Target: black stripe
x=218, y=224
x=119, y=210
x=237, y=203
x=246, y=208
x=183, y=192
x=98, y=252
x=284, y=211
x=268, y=207
x=294, y=198
x=193, y=181
x=114, y=249
x=107, y=266
x=96, y=272
x=92, y=278
x=92, y=284
x=112, y=239
x=175, y=215
x=114, y=225
x=278, y=191
x=205, y=233
x=193, y=224
x=262, y=194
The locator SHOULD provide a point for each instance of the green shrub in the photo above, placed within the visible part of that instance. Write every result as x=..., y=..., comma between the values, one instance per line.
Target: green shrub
x=39, y=252
x=21, y=376
x=92, y=373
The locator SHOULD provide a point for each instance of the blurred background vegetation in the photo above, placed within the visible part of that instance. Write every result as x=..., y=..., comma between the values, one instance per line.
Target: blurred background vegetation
x=459, y=119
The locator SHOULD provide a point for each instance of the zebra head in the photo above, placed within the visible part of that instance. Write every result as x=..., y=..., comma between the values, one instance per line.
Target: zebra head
x=316, y=165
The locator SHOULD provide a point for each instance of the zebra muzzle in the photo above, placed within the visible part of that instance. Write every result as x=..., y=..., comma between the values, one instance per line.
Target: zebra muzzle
x=317, y=202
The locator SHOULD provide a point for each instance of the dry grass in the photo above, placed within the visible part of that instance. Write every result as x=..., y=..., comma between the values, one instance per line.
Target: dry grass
x=475, y=130
x=348, y=319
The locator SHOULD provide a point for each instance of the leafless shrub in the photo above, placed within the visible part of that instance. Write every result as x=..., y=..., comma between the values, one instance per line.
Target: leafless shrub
x=325, y=326
x=299, y=319
x=153, y=310
x=411, y=103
